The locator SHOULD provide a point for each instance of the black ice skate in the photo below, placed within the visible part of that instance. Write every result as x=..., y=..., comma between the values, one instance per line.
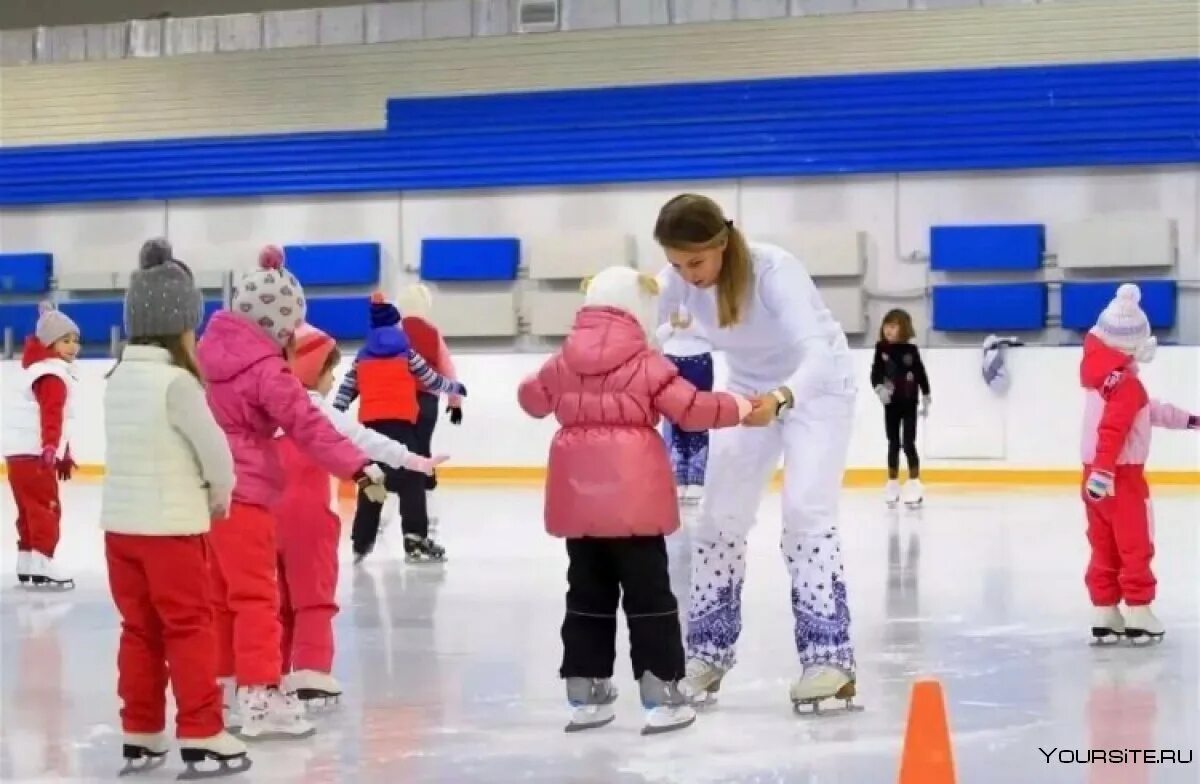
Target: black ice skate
x=423, y=551
x=820, y=683
x=226, y=751
x=143, y=752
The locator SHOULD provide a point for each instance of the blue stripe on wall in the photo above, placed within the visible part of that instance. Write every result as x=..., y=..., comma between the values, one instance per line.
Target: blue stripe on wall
x=1082, y=115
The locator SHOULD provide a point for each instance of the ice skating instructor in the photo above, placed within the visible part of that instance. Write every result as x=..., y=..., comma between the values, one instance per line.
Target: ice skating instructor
x=783, y=349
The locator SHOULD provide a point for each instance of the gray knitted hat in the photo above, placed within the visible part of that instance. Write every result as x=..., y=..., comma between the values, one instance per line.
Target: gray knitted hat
x=53, y=325
x=162, y=298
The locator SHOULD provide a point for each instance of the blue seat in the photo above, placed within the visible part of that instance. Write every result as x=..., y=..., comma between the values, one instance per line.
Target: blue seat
x=988, y=307
x=470, y=258
x=344, y=318
x=25, y=273
x=20, y=317
x=342, y=264
x=96, y=318
x=986, y=248
x=1083, y=301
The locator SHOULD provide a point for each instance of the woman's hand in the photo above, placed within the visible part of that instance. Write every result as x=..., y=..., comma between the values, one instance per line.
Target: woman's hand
x=763, y=412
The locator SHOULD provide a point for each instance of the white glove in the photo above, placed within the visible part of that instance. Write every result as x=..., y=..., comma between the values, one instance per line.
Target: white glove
x=926, y=402
x=424, y=465
x=744, y=406
x=371, y=481
x=884, y=393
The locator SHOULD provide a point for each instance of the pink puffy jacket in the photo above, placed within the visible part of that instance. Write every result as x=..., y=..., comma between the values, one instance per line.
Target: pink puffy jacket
x=252, y=394
x=609, y=474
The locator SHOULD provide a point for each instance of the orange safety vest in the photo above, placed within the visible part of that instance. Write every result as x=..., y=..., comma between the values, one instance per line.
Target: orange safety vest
x=386, y=390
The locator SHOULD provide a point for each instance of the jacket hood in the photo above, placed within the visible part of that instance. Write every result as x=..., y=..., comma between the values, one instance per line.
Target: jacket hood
x=385, y=343
x=35, y=351
x=602, y=339
x=1100, y=361
x=232, y=344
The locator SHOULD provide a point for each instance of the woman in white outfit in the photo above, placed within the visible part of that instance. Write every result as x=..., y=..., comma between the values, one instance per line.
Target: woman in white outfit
x=759, y=305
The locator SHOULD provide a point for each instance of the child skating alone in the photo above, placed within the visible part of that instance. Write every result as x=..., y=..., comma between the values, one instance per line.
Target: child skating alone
x=168, y=473
x=1118, y=417
x=610, y=493
x=684, y=343
x=309, y=529
x=36, y=439
x=899, y=379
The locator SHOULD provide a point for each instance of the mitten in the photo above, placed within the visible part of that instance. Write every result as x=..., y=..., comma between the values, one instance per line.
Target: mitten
x=49, y=456
x=926, y=402
x=885, y=394
x=425, y=465
x=455, y=413
x=218, y=506
x=744, y=406
x=65, y=468
x=370, y=481
x=1099, y=485
x=1194, y=423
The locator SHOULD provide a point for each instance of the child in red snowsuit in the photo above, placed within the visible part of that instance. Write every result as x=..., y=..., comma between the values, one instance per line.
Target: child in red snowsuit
x=1117, y=422
x=36, y=444
x=309, y=529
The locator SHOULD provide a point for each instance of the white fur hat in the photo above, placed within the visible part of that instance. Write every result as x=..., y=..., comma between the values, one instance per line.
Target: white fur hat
x=627, y=289
x=1123, y=324
x=415, y=300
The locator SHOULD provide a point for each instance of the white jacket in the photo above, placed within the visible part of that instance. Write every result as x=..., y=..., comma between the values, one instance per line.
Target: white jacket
x=168, y=463
x=22, y=435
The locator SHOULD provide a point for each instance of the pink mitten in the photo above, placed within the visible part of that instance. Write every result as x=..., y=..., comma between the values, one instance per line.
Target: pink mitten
x=425, y=465
x=1194, y=423
x=49, y=456
x=744, y=406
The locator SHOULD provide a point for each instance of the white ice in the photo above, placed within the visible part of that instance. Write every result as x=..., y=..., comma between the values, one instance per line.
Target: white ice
x=451, y=672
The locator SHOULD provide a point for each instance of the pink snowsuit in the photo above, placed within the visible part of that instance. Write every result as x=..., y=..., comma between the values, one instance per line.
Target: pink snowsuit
x=609, y=474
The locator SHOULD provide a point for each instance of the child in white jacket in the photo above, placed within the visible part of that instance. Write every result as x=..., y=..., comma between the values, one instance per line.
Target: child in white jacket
x=309, y=529
x=169, y=472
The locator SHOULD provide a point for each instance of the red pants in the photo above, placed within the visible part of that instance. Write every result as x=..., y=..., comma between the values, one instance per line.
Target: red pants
x=246, y=596
x=1121, y=539
x=161, y=589
x=35, y=488
x=308, y=573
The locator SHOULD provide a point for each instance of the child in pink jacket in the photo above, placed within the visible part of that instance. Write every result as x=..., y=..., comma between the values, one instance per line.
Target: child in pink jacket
x=610, y=492
x=253, y=394
x=309, y=529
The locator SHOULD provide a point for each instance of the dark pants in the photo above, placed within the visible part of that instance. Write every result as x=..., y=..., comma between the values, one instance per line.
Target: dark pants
x=689, y=451
x=409, y=485
x=426, y=421
x=600, y=569
x=900, y=421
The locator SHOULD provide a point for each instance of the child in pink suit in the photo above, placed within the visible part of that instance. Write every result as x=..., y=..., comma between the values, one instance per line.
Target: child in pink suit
x=309, y=529
x=610, y=492
x=1117, y=421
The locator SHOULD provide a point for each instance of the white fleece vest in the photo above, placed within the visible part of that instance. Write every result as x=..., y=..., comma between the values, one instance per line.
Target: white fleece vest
x=153, y=485
x=22, y=435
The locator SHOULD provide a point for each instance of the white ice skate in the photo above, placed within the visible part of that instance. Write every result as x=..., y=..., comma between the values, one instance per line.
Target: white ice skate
x=691, y=495
x=313, y=688
x=229, y=703
x=913, y=494
x=701, y=682
x=823, y=682
x=666, y=706
x=24, y=566
x=1108, y=626
x=143, y=751
x=44, y=575
x=226, y=751
x=891, y=493
x=269, y=714
x=1141, y=626
x=591, y=701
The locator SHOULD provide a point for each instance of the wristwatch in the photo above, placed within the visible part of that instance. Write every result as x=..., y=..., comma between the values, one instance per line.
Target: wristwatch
x=782, y=403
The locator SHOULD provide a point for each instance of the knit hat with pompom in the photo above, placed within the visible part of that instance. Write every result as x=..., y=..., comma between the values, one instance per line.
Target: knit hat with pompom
x=271, y=297
x=53, y=325
x=162, y=299
x=1123, y=324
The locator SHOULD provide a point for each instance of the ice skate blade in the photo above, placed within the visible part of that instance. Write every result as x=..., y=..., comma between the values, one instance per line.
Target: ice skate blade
x=315, y=698
x=1141, y=639
x=845, y=694
x=574, y=727
x=1105, y=638
x=227, y=766
x=42, y=585
x=650, y=729
x=139, y=759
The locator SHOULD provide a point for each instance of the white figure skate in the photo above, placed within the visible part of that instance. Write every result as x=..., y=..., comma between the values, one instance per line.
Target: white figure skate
x=313, y=688
x=666, y=706
x=24, y=566
x=1108, y=626
x=269, y=714
x=913, y=494
x=591, y=700
x=45, y=576
x=891, y=493
x=701, y=682
x=143, y=752
x=227, y=751
x=819, y=683
x=1142, y=627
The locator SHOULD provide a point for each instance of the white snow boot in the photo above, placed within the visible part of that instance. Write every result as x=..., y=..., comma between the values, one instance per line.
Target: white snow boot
x=143, y=751
x=591, y=700
x=913, y=494
x=1108, y=626
x=701, y=682
x=822, y=682
x=891, y=493
x=269, y=714
x=45, y=575
x=226, y=751
x=312, y=687
x=666, y=706
x=24, y=566
x=1141, y=625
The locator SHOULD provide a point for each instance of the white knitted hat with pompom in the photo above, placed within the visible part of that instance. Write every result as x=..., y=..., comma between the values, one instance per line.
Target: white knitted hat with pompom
x=1123, y=324
x=53, y=325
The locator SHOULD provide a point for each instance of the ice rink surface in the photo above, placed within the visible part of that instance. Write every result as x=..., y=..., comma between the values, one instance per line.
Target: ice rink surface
x=451, y=672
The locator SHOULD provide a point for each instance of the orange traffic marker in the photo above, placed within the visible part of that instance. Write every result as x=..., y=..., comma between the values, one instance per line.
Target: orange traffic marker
x=927, y=757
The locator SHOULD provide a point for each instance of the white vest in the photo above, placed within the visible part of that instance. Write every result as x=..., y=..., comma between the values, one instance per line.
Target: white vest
x=22, y=416
x=153, y=485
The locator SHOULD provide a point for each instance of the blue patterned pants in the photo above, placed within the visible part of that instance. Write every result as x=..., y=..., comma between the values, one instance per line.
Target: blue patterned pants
x=689, y=451
x=813, y=440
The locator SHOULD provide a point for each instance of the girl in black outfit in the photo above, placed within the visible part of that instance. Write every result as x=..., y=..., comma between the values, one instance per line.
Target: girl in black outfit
x=898, y=375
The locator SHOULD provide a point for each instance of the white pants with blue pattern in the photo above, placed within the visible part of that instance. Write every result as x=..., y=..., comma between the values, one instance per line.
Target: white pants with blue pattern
x=813, y=440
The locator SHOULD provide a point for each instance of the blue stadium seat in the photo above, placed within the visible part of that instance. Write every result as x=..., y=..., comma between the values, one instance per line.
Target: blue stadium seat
x=470, y=258
x=1083, y=301
x=21, y=318
x=986, y=248
x=343, y=264
x=989, y=307
x=96, y=318
x=344, y=318
x=25, y=273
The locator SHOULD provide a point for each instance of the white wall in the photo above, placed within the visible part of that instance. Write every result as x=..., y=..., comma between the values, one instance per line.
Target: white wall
x=1036, y=426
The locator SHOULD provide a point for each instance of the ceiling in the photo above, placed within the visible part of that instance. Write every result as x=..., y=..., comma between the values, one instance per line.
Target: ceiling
x=16, y=14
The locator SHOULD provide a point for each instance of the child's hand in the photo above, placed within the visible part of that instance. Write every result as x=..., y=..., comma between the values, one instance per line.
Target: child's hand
x=458, y=388
x=425, y=465
x=370, y=481
x=455, y=413
x=1099, y=485
x=763, y=413
x=744, y=406
x=926, y=402
x=885, y=394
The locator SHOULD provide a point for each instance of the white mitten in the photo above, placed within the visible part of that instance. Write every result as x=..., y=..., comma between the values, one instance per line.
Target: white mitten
x=371, y=481
x=425, y=465
x=926, y=402
x=218, y=508
x=885, y=394
x=744, y=406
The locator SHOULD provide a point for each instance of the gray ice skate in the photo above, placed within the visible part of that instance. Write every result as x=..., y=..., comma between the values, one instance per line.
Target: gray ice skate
x=592, y=702
x=667, y=708
x=143, y=752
